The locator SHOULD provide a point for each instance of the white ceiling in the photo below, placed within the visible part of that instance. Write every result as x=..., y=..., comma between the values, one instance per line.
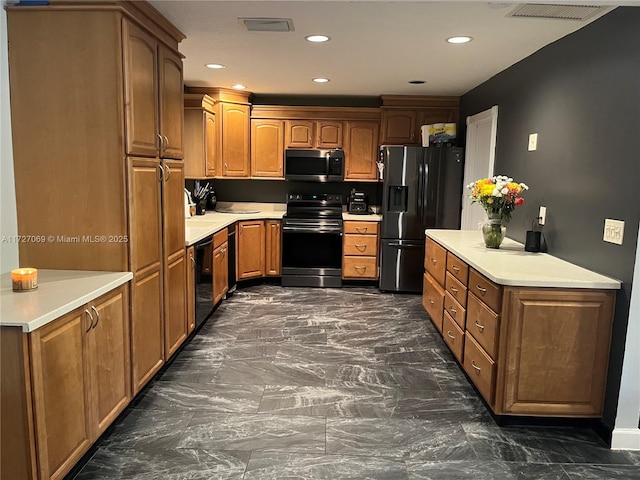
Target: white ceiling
x=376, y=47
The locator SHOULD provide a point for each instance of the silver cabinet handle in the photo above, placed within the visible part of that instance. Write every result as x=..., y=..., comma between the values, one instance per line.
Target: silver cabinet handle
x=455, y=269
x=434, y=261
x=360, y=247
x=358, y=268
x=481, y=327
x=193, y=260
x=166, y=139
x=90, y=318
x=432, y=302
x=97, y=315
x=161, y=144
x=473, y=364
x=454, y=289
x=161, y=170
x=168, y=173
x=482, y=290
x=361, y=229
x=453, y=310
x=450, y=335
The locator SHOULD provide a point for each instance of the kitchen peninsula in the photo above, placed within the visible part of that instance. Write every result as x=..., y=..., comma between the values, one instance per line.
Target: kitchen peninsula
x=531, y=331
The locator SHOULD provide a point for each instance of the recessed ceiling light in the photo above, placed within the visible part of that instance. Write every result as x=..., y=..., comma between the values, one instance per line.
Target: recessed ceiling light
x=462, y=39
x=321, y=80
x=239, y=86
x=317, y=38
x=416, y=82
x=215, y=66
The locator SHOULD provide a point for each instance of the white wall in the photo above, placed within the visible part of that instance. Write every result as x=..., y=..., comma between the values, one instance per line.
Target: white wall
x=8, y=217
x=626, y=434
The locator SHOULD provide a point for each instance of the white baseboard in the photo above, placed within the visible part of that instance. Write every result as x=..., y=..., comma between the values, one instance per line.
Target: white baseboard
x=625, y=439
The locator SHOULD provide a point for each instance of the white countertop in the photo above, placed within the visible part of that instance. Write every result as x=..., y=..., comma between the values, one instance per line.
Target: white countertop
x=200, y=227
x=511, y=265
x=59, y=292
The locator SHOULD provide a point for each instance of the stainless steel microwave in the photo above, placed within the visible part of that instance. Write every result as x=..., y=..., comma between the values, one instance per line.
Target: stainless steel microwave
x=309, y=165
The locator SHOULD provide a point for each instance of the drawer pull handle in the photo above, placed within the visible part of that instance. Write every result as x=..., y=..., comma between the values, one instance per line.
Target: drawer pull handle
x=432, y=302
x=481, y=327
x=455, y=269
x=473, y=364
x=434, y=261
x=360, y=268
x=449, y=334
x=454, y=289
x=453, y=310
x=360, y=247
x=482, y=290
x=361, y=229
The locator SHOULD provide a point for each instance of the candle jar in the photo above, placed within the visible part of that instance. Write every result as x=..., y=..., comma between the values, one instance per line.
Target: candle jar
x=24, y=279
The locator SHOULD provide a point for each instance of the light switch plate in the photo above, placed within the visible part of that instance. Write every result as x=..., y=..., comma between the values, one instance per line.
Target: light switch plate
x=613, y=231
x=533, y=142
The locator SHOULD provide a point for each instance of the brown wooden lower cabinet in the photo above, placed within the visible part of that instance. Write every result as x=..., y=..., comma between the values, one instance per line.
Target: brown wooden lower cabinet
x=220, y=272
x=191, y=289
x=76, y=373
x=273, y=245
x=529, y=351
x=250, y=254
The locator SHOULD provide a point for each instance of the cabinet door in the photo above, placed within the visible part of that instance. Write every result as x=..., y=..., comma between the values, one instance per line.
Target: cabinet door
x=175, y=288
x=361, y=150
x=175, y=303
x=146, y=256
x=61, y=393
x=109, y=361
x=141, y=91
x=398, y=127
x=250, y=256
x=210, y=145
x=171, y=102
x=273, y=248
x=267, y=148
x=235, y=140
x=191, y=289
x=329, y=134
x=299, y=133
x=220, y=272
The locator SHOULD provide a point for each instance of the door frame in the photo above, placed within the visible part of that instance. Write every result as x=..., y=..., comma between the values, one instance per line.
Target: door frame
x=470, y=155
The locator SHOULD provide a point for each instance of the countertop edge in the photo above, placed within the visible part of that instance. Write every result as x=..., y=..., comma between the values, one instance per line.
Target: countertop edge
x=605, y=283
x=58, y=312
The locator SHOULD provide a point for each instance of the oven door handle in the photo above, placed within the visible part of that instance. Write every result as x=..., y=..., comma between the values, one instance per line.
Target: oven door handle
x=292, y=229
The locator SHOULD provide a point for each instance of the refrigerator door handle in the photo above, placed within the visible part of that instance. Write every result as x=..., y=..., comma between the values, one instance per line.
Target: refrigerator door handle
x=400, y=245
x=420, y=193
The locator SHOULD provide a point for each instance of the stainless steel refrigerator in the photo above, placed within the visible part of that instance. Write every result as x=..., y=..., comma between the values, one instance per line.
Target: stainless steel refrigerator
x=422, y=188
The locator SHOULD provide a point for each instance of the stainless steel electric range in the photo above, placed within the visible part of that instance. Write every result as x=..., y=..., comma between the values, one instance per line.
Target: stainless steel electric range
x=312, y=241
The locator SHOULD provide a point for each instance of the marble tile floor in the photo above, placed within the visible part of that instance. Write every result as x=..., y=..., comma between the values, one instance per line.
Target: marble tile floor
x=301, y=383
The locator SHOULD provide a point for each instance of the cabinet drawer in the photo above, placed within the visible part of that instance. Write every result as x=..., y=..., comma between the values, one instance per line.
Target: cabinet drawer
x=485, y=290
x=433, y=300
x=360, y=267
x=456, y=289
x=435, y=261
x=220, y=237
x=480, y=368
x=361, y=228
x=453, y=336
x=483, y=324
x=366, y=245
x=455, y=310
x=458, y=268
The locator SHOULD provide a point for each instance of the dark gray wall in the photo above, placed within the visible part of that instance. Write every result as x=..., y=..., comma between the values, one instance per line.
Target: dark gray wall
x=581, y=95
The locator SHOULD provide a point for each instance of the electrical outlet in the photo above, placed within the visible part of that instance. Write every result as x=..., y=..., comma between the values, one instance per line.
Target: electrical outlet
x=533, y=142
x=613, y=231
x=542, y=216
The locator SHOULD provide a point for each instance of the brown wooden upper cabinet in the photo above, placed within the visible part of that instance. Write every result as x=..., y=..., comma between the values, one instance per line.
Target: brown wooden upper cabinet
x=235, y=140
x=153, y=96
x=399, y=127
x=361, y=150
x=267, y=148
x=402, y=116
x=313, y=134
x=200, y=136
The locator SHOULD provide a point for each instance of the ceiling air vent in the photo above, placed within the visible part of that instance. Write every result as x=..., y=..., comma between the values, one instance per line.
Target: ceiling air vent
x=268, y=24
x=559, y=12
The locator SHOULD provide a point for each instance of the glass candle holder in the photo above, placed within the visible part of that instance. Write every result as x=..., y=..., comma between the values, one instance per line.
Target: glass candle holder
x=24, y=279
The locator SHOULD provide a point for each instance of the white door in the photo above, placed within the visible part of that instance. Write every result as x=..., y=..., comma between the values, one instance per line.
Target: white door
x=479, y=158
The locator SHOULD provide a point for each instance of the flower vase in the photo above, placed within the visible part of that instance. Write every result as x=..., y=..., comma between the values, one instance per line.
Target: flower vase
x=493, y=231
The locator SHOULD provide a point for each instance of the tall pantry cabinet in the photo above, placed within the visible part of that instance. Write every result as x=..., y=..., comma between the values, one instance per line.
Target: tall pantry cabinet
x=97, y=124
